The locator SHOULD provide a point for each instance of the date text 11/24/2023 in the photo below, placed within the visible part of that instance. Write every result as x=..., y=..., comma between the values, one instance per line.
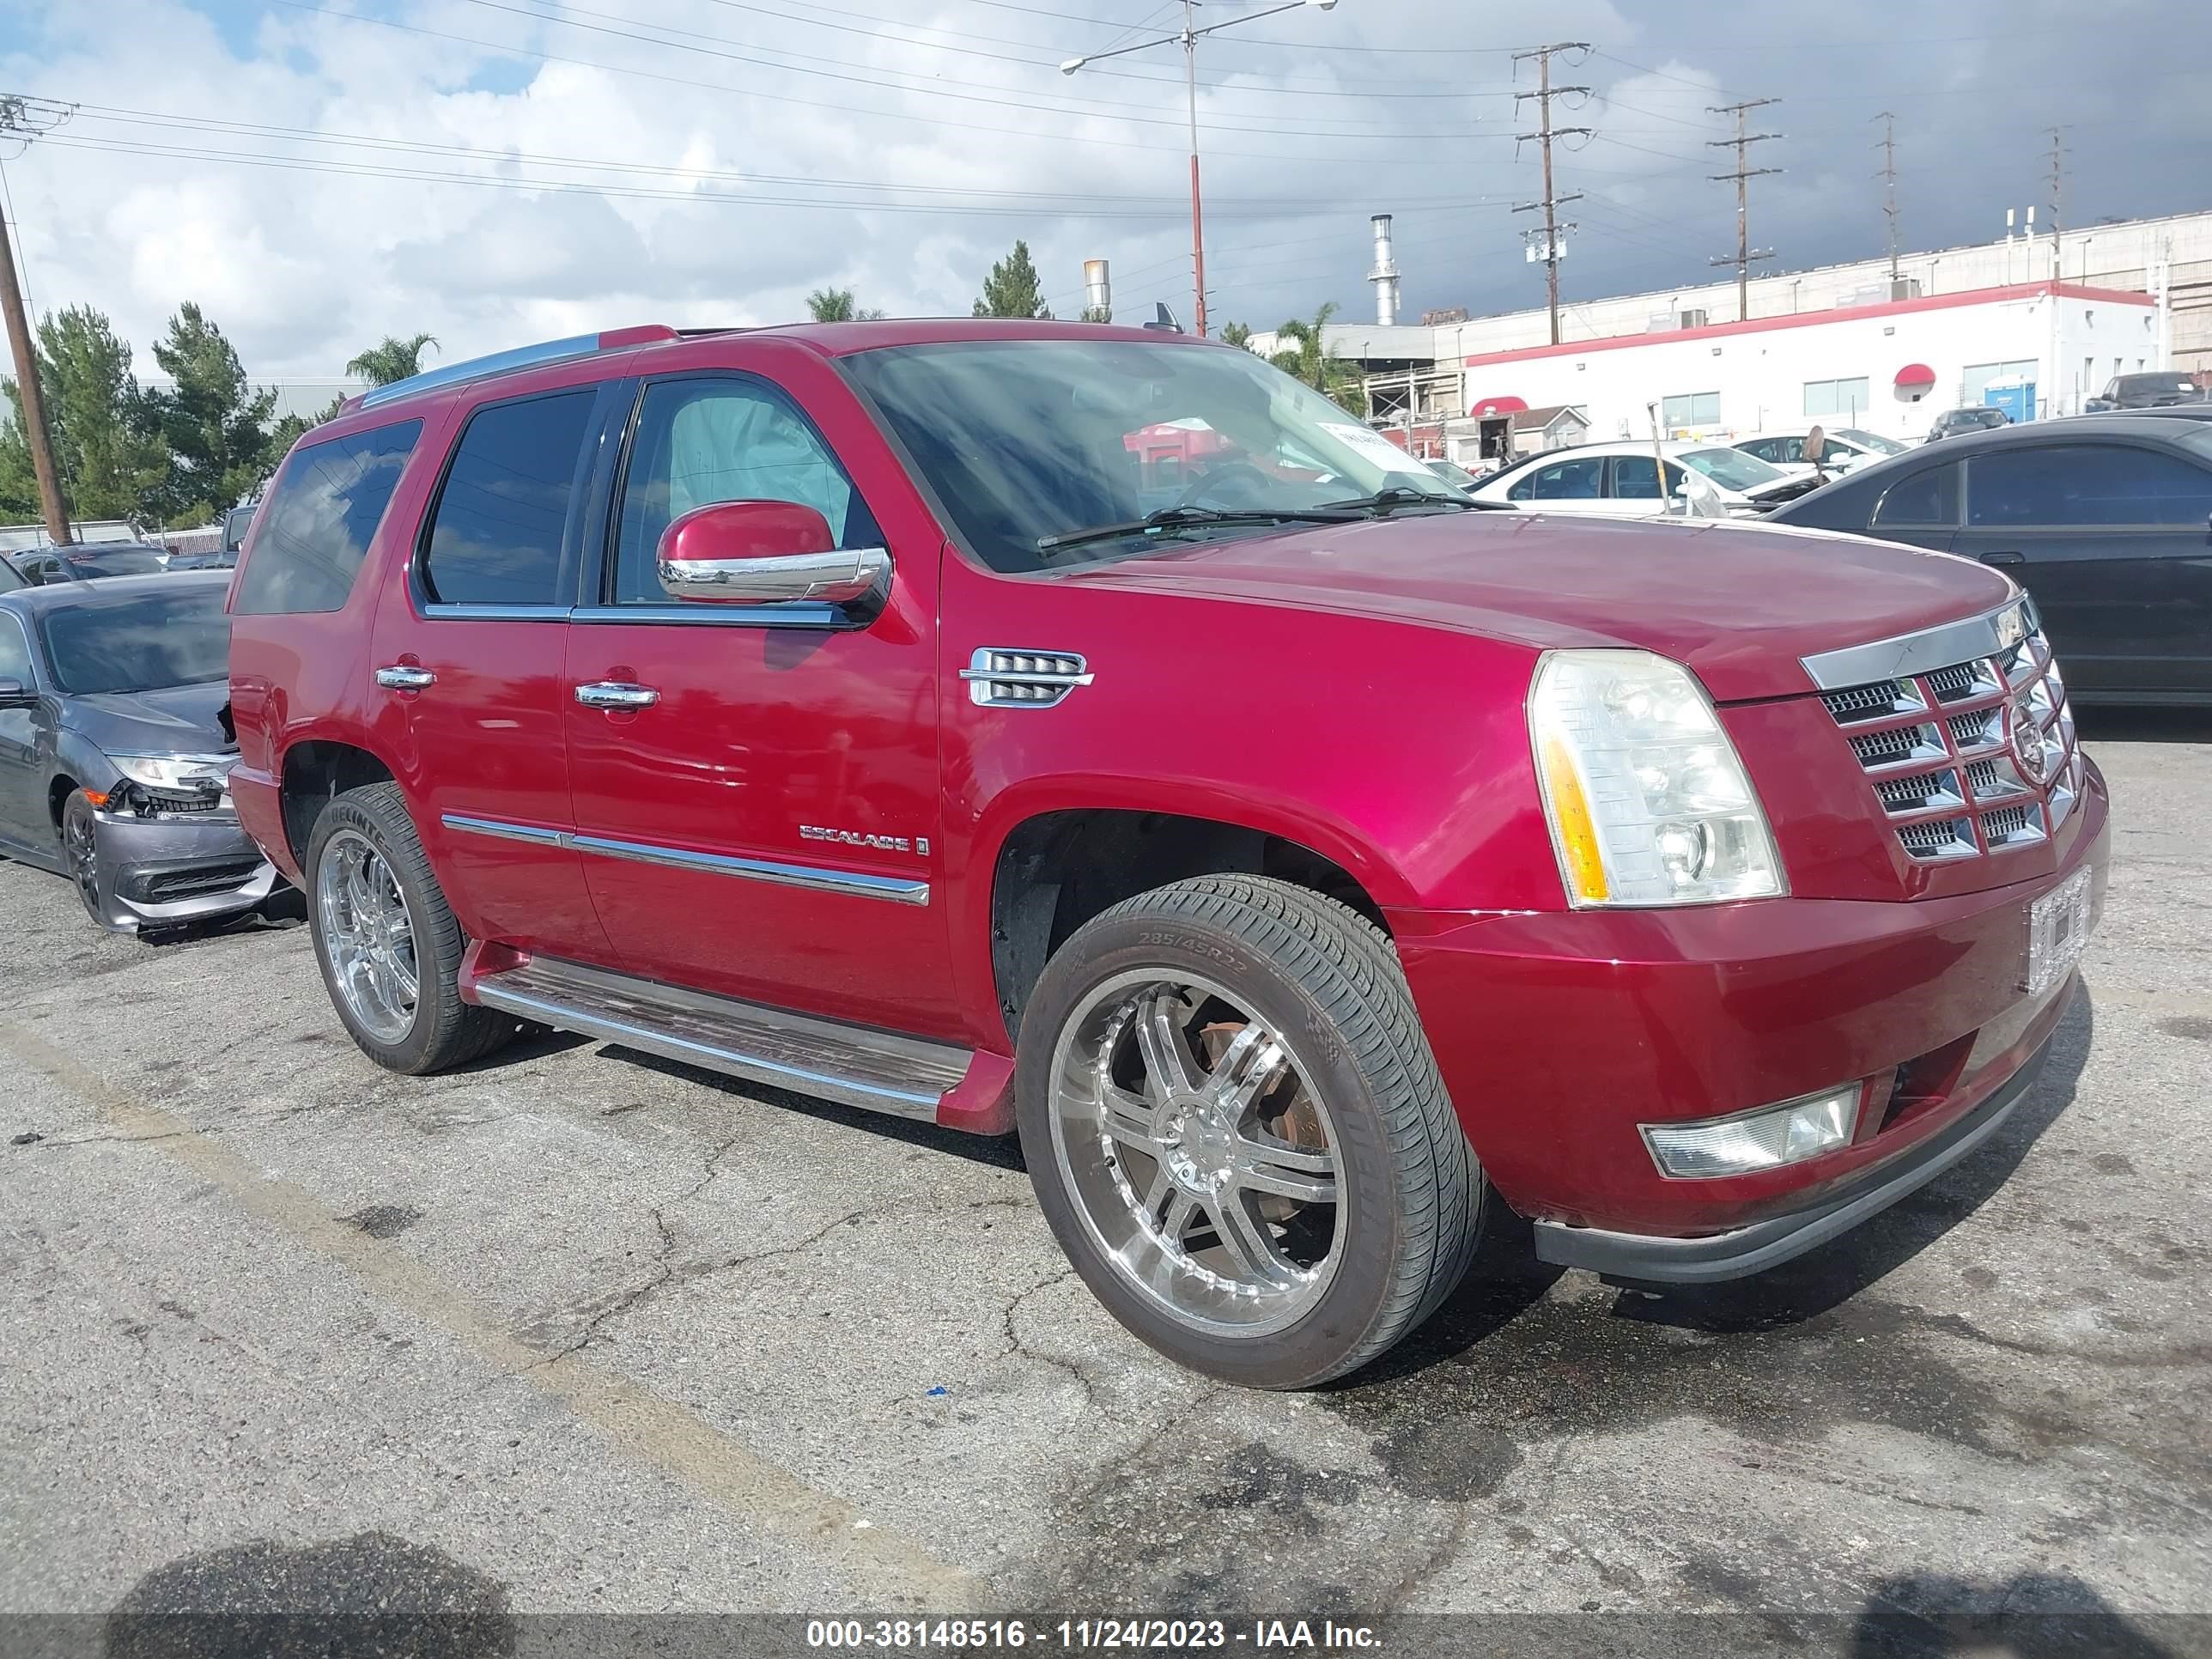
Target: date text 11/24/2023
x=1088, y=1635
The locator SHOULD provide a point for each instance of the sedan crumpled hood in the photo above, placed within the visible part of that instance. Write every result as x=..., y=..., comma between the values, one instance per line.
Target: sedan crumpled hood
x=1739, y=604
x=178, y=719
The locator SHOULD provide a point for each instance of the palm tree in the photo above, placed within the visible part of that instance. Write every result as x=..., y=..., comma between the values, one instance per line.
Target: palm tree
x=391, y=359
x=835, y=305
x=1310, y=359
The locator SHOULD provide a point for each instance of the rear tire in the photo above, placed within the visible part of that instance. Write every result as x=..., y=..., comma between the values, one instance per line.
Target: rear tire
x=1238, y=1135
x=386, y=940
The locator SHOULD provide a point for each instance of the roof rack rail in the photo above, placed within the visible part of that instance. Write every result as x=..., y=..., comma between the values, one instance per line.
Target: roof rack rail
x=529, y=356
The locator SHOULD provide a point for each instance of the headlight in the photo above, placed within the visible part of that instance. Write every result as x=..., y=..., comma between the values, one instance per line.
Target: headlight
x=1648, y=803
x=176, y=771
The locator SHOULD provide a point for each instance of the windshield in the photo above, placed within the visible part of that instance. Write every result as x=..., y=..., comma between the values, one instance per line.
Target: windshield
x=144, y=643
x=1026, y=440
x=1873, y=441
x=1731, y=469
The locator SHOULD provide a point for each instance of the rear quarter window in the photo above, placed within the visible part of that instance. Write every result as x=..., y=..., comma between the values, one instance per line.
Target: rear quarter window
x=319, y=519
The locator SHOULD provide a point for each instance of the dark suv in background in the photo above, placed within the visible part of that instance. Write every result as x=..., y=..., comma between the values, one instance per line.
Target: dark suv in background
x=2157, y=389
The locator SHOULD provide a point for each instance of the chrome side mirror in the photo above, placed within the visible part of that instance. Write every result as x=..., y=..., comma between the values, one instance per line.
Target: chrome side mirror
x=765, y=553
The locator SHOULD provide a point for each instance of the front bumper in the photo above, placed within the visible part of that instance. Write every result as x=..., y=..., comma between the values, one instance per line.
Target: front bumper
x=1709, y=1257
x=157, y=872
x=1559, y=1032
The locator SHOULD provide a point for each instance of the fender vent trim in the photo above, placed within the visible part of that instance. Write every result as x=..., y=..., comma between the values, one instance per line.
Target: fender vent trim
x=1000, y=677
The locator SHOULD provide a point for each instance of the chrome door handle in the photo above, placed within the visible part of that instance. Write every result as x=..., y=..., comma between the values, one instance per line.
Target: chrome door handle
x=615, y=694
x=402, y=677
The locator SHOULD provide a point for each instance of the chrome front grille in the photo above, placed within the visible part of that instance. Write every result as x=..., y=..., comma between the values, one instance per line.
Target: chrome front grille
x=1965, y=758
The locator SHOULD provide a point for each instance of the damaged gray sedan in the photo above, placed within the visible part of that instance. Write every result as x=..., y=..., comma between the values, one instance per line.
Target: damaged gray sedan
x=116, y=750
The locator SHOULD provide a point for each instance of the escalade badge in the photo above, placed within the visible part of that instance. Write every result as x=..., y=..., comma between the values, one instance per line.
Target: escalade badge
x=861, y=838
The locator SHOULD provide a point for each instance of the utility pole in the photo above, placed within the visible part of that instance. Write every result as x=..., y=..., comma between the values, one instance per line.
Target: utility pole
x=1188, y=38
x=20, y=119
x=1745, y=253
x=1550, y=202
x=1888, y=147
x=2058, y=191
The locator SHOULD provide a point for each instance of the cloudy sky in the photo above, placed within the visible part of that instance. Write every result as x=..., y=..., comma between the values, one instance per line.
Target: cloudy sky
x=319, y=173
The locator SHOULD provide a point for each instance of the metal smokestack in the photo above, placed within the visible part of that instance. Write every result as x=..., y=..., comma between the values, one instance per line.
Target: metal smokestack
x=1097, y=291
x=1385, y=274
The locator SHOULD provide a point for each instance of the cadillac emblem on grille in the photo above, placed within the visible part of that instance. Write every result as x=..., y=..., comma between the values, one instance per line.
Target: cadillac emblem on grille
x=2027, y=740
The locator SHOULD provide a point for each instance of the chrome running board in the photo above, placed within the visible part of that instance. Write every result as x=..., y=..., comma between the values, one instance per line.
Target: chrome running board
x=854, y=1065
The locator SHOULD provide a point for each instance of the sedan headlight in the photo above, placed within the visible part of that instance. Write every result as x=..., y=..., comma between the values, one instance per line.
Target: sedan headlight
x=1648, y=802
x=176, y=771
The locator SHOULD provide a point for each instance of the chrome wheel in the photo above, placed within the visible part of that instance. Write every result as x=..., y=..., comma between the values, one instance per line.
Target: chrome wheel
x=369, y=935
x=1199, y=1157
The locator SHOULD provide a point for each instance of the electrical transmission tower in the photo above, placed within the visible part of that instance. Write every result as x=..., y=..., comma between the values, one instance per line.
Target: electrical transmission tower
x=1742, y=143
x=1551, y=202
x=1888, y=149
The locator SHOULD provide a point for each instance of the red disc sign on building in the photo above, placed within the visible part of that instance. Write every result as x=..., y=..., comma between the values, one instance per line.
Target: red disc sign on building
x=1914, y=375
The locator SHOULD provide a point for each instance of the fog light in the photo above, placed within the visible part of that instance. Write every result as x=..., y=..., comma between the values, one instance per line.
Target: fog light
x=1765, y=1139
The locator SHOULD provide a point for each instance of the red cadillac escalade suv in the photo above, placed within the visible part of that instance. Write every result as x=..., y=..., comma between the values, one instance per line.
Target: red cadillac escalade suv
x=1095, y=735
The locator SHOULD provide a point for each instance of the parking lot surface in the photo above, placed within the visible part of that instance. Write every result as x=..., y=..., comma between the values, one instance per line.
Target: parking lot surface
x=578, y=1331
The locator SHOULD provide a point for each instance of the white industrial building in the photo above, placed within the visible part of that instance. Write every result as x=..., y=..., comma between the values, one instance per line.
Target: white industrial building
x=1844, y=345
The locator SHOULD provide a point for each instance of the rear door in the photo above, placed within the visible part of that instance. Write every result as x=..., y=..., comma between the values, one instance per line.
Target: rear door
x=764, y=824
x=2114, y=539
x=1920, y=508
x=470, y=647
x=1574, y=484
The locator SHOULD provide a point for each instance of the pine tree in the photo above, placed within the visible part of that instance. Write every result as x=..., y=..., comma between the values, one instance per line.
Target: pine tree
x=109, y=460
x=1012, y=288
x=215, y=429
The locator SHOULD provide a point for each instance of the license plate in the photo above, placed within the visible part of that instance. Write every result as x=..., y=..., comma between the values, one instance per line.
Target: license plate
x=2058, y=927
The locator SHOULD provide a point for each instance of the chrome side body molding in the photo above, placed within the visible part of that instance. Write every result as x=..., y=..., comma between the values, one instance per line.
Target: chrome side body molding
x=895, y=890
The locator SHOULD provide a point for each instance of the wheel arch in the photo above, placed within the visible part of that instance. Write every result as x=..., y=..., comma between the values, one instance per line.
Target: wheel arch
x=313, y=773
x=1052, y=867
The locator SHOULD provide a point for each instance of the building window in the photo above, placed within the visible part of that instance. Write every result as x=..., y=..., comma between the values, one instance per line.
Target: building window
x=1693, y=408
x=1845, y=398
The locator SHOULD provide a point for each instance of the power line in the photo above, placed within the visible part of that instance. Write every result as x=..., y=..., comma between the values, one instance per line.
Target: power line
x=27, y=119
x=1546, y=133
x=1744, y=173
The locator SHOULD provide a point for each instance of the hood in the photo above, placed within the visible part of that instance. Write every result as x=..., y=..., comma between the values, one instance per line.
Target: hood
x=1739, y=604
x=178, y=719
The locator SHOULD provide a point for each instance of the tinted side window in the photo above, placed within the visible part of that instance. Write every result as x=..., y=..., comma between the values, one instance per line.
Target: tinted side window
x=1930, y=496
x=1566, y=481
x=2086, y=484
x=702, y=442
x=502, y=514
x=322, y=512
x=1636, y=477
x=14, y=652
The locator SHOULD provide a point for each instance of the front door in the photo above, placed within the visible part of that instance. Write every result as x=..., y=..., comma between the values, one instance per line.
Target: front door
x=756, y=786
x=25, y=819
x=470, y=650
x=2113, y=540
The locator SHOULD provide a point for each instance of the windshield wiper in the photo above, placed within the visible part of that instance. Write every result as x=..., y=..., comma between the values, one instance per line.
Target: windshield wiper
x=1180, y=517
x=1389, y=499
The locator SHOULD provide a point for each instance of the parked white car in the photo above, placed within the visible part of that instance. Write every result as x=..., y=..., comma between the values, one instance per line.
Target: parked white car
x=1847, y=448
x=1621, y=480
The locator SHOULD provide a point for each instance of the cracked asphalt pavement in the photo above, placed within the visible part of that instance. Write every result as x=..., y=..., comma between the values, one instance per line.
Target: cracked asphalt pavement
x=578, y=1331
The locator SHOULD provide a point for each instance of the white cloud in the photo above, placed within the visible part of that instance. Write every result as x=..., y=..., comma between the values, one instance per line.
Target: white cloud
x=704, y=215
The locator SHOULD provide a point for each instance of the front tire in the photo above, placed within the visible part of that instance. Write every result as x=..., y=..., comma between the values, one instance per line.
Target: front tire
x=389, y=947
x=80, y=851
x=1237, y=1133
